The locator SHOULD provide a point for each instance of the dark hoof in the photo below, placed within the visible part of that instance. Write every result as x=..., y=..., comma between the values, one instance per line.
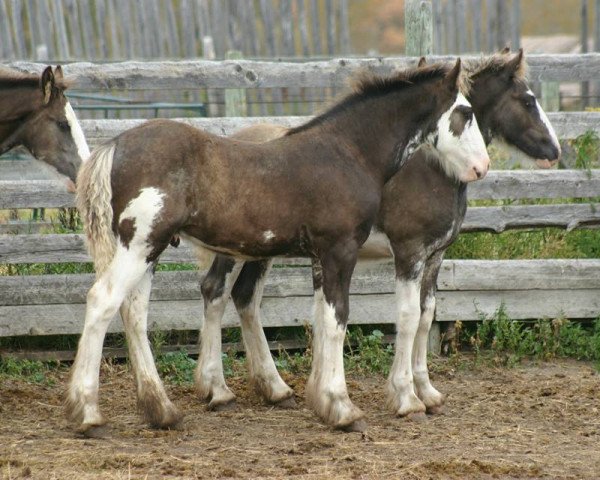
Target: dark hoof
x=222, y=407
x=418, y=417
x=94, y=431
x=287, y=404
x=436, y=410
x=356, y=426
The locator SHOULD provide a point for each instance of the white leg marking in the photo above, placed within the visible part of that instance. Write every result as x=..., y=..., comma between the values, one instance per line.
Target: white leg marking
x=152, y=397
x=425, y=390
x=209, y=377
x=77, y=133
x=262, y=369
x=401, y=396
x=326, y=388
x=124, y=272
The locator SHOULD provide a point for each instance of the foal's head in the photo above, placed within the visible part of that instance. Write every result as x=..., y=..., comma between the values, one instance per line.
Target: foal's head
x=507, y=108
x=455, y=134
x=48, y=127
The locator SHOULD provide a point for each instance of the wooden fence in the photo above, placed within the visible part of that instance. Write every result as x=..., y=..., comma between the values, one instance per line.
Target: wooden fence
x=116, y=30
x=54, y=304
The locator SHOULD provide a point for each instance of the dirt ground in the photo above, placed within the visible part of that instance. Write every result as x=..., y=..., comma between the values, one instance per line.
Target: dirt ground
x=536, y=421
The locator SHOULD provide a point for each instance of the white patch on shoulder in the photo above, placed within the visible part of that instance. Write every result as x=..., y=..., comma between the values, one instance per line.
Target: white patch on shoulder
x=143, y=210
x=77, y=133
x=268, y=235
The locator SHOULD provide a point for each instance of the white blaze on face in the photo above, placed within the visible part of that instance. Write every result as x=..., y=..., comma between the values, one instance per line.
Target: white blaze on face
x=465, y=155
x=77, y=133
x=143, y=210
x=546, y=122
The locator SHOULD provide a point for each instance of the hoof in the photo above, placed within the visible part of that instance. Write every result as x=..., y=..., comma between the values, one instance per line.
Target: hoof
x=287, y=404
x=418, y=417
x=222, y=407
x=436, y=410
x=356, y=426
x=94, y=431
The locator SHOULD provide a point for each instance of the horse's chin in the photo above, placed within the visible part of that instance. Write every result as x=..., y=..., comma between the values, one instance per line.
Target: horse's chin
x=545, y=163
x=70, y=184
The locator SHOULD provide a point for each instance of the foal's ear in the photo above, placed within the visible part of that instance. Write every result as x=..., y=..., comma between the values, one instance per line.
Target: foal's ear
x=451, y=79
x=515, y=65
x=47, y=84
x=58, y=73
x=422, y=62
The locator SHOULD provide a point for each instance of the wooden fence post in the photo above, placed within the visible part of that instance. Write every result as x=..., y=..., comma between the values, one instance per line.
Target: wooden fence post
x=585, y=86
x=418, y=20
x=418, y=25
x=235, y=98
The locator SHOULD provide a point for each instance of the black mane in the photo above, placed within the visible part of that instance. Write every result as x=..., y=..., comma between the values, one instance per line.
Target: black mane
x=12, y=79
x=369, y=86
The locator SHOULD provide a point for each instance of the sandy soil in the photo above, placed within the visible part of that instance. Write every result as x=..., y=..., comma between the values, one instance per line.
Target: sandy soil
x=536, y=421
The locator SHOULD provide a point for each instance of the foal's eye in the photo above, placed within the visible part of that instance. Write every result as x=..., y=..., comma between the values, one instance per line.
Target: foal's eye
x=529, y=102
x=63, y=125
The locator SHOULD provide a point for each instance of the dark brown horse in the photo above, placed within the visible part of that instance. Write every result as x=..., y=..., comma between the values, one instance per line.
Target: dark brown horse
x=421, y=213
x=35, y=114
x=314, y=192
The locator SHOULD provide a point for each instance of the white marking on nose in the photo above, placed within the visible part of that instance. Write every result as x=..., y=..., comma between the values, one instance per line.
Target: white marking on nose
x=77, y=133
x=268, y=235
x=546, y=123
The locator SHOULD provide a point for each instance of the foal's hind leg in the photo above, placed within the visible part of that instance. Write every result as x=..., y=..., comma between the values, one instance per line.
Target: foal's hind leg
x=153, y=402
x=216, y=290
x=103, y=300
x=326, y=390
x=401, y=394
x=247, y=295
x=432, y=399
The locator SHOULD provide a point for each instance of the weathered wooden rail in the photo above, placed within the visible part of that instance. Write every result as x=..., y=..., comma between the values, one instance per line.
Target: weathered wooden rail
x=191, y=74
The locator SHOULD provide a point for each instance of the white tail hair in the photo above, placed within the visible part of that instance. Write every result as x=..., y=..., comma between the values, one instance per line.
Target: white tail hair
x=94, y=194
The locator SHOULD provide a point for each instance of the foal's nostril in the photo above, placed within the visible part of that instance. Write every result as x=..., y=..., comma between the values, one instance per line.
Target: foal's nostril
x=478, y=172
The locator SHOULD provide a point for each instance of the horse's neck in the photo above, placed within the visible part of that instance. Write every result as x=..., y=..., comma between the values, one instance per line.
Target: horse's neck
x=379, y=133
x=15, y=103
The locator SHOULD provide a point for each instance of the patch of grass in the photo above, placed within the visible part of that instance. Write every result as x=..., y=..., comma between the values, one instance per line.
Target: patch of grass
x=510, y=341
x=370, y=354
x=587, y=149
x=32, y=371
x=176, y=367
x=542, y=243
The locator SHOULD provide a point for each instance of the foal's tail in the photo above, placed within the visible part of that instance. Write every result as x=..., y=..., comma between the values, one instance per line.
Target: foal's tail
x=94, y=194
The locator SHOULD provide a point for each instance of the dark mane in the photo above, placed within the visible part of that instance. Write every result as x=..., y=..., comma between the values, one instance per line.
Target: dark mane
x=494, y=64
x=12, y=79
x=369, y=86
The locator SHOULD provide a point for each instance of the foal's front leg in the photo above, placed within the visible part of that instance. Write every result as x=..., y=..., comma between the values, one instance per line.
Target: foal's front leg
x=153, y=401
x=216, y=289
x=402, y=399
x=326, y=390
x=247, y=294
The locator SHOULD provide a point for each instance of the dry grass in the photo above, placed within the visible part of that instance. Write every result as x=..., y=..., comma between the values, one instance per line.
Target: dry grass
x=537, y=421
